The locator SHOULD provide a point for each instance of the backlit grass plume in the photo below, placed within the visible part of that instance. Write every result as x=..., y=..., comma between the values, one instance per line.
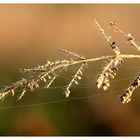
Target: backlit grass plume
x=52, y=70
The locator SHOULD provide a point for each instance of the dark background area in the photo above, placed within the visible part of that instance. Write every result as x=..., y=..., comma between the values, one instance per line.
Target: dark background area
x=31, y=34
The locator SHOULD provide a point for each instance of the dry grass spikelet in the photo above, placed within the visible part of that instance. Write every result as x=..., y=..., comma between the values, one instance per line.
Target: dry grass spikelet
x=128, y=36
x=74, y=80
x=109, y=72
x=126, y=96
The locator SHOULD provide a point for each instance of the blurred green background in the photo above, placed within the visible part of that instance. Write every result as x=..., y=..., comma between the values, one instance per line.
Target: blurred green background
x=30, y=34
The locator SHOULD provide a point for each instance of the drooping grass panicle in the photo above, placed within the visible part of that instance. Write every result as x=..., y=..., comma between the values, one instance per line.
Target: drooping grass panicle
x=48, y=72
x=128, y=36
x=32, y=82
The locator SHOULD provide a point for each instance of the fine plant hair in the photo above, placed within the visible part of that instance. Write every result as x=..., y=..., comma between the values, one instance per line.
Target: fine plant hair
x=52, y=70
